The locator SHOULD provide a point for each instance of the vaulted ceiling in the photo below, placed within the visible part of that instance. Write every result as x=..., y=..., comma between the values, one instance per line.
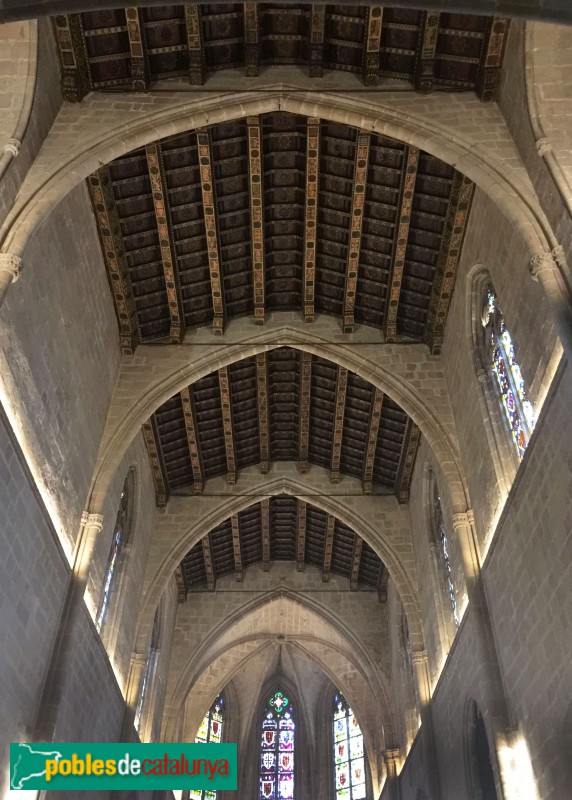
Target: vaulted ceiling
x=282, y=529
x=280, y=212
x=130, y=48
x=284, y=405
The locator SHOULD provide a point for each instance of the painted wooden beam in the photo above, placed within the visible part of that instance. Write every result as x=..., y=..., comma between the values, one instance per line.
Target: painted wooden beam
x=305, y=392
x=159, y=193
x=328, y=547
x=371, y=445
x=139, y=69
x=425, y=66
x=255, y=179
x=251, y=40
x=317, y=27
x=208, y=559
x=488, y=80
x=235, y=527
x=194, y=43
x=263, y=423
x=265, y=526
x=225, y=401
x=356, y=560
x=356, y=223
x=407, y=461
x=370, y=64
x=311, y=219
x=301, y=536
x=154, y=450
x=341, y=388
x=192, y=438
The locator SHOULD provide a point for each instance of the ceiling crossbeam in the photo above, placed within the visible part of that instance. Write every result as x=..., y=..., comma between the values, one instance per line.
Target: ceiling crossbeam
x=209, y=210
x=73, y=60
x=305, y=391
x=235, y=528
x=154, y=450
x=356, y=560
x=401, y=237
x=371, y=45
x=317, y=28
x=425, y=67
x=262, y=398
x=311, y=217
x=139, y=70
x=328, y=547
x=159, y=193
x=192, y=438
x=208, y=559
x=488, y=79
x=356, y=222
x=407, y=460
x=109, y=229
x=372, y=435
x=382, y=582
x=225, y=401
x=181, y=585
x=256, y=214
x=301, y=536
x=341, y=388
x=454, y=230
x=194, y=43
x=265, y=527
x=251, y=40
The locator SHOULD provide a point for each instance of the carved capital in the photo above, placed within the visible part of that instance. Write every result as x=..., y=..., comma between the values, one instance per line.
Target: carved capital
x=461, y=520
x=419, y=657
x=92, y=520
x=559, y=255
x=11, y=264
x=483, y=375
x=541, y=263
x=543, y=146
x=12, y=146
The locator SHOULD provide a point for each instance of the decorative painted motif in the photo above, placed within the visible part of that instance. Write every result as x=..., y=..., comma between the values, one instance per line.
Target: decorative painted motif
x=210, y=732
x=349, y=762
x=518, y=410
x=277, y=750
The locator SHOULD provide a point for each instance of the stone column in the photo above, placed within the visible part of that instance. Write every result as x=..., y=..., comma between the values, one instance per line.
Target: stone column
x=10, y=269
x=62, y=653
x=499, y=713
x=420, y=661
x=136, y=669
x=391, y=759
x=545, y=269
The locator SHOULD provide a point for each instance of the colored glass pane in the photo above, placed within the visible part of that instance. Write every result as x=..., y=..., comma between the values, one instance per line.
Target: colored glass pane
x=116, y=545
x=277, y=750
x=210, y=732
x=518, y=410
x=349, y=764
x=445, y=557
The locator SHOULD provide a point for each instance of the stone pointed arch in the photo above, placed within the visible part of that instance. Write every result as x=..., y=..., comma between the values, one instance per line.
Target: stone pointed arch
x=407, y=373
x=319, y=634
x=379, y=520
x=69, y=159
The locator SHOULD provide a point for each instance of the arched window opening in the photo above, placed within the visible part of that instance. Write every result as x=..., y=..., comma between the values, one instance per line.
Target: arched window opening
x=508, y=380
x=482, y=778
x=442, y=541
x=120, y=537
x=349, y=763
x=210, y=732
x=277, y=749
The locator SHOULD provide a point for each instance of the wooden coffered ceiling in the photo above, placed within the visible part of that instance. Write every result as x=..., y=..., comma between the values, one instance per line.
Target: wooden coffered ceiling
x=133, y=48
x=282, y=528
x=284, y=405
x=280, y=212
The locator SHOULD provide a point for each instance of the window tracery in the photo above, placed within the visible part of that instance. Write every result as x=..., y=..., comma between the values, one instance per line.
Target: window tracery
x=210, y=732
x=277, y=749
x=349, y=763
x=444, y=552
x=504, y=367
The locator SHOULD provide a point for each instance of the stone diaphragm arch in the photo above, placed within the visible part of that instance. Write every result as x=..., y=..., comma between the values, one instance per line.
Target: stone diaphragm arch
x=379, y=520
x=406, y=373
x=303, y=623
x=69, y=159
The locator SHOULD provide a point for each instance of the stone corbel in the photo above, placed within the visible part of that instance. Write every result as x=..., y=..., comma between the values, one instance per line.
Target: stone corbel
x=12, y=146
x=543, y=147
x=552, y=261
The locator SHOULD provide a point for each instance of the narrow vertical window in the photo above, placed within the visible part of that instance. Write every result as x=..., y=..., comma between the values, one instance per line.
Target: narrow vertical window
x=277, y=750
x=119, y=538
x=210, y=732
x=518, y=411
x=443, y=542
x=349, y=763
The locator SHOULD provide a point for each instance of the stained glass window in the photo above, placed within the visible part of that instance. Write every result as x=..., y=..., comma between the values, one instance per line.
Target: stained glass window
x=277, y=750
x=443, y=543
x=349, y=762
x=504, y=366
x=210, y=732
x=119, y=538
